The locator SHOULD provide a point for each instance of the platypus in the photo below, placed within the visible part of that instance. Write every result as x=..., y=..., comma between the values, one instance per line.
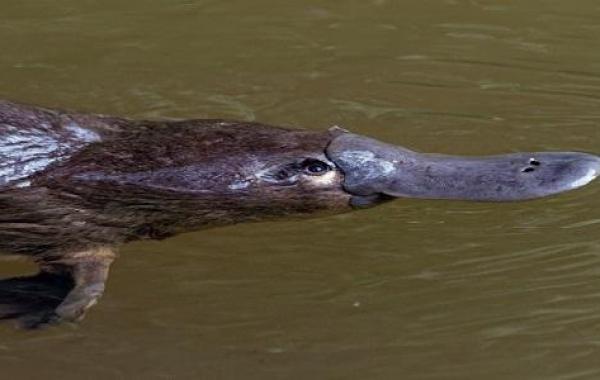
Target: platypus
x=74, y=187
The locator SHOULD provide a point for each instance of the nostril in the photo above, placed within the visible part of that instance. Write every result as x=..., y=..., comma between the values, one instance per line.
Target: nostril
x=534, y=162
x=528, y=169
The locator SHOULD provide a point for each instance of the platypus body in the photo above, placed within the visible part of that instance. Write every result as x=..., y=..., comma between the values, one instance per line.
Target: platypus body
x=73, y=187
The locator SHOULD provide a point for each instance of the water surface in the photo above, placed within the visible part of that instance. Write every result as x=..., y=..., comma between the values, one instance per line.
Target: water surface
x=410, y=290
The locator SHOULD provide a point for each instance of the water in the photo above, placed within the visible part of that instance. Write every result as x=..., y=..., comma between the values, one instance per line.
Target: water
x=410, y=290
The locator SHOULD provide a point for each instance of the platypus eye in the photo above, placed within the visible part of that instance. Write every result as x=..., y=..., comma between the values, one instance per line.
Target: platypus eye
x=289, y=174
x=315, y=167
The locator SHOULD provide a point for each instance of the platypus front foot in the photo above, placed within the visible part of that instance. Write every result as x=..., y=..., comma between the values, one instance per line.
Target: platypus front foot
x=63, y=291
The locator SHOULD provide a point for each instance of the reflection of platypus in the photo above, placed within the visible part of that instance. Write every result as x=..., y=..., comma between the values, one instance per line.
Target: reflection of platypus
x=75, y=186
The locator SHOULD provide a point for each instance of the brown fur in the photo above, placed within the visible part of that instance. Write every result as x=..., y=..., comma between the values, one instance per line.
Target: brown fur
x=144, y=180
x=155, y=179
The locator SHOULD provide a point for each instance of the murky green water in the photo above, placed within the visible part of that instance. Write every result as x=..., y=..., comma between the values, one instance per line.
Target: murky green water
x=410, y=290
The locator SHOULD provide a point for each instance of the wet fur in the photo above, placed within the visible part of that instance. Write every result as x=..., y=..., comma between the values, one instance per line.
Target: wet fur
x=138, y=180
x=106, y=193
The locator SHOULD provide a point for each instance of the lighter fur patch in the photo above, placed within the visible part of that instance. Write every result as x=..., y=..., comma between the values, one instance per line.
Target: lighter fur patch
x=326, y=179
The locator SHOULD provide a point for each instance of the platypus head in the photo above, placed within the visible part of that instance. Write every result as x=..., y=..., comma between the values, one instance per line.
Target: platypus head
x=365, y=172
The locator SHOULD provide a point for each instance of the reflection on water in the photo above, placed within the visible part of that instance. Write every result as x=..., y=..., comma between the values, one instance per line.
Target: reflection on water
x=411, y=290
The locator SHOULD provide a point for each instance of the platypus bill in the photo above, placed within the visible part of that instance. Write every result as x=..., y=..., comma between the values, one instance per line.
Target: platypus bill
x=73, y=187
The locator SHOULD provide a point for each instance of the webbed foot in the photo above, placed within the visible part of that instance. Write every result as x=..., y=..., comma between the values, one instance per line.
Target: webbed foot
x=63, y=291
